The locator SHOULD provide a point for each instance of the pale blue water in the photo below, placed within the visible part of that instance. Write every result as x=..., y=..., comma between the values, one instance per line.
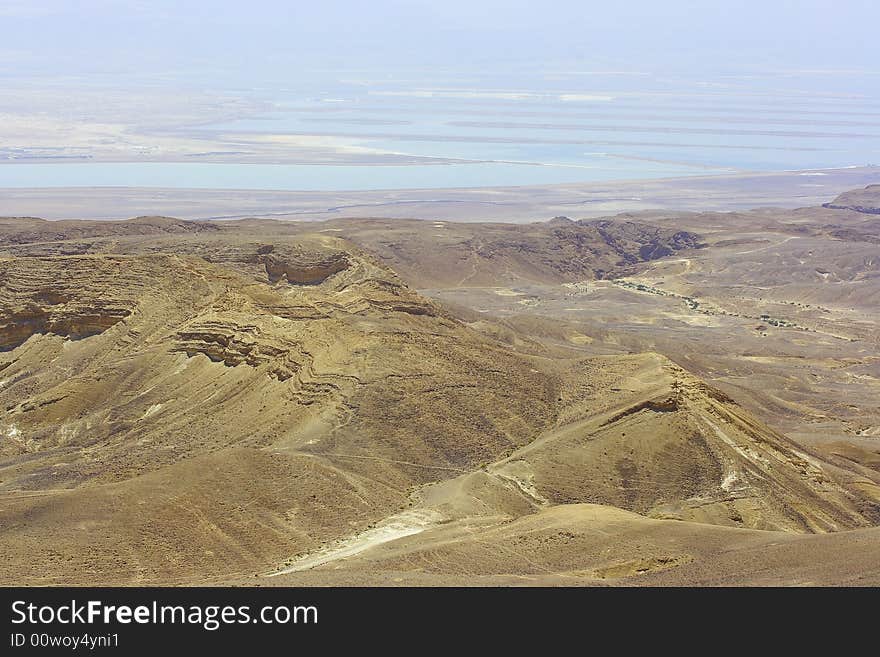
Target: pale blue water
x=523, y=130
x=751, y=122
x=199, y=175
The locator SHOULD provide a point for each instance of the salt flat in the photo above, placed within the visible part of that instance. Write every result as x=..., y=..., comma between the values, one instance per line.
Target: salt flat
x=512, y=204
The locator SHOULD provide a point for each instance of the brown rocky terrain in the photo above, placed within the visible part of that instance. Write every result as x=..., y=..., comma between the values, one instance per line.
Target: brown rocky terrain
x=648, y=399
x=461, y=254
x=865, y=200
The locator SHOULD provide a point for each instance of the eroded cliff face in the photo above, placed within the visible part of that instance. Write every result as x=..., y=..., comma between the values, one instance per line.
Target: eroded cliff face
x=318, y=400
x=41, y=296
x=300, y=267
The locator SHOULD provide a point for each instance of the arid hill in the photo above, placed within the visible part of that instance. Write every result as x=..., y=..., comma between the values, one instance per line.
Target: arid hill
x=25, y=230
x=424, y=253
x=196, y=402
x=865, y=200
x=441, y=254
x=142, y=392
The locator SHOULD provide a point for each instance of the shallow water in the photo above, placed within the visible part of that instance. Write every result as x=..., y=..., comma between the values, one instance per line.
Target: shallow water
x=522, y=129
x=200, y=175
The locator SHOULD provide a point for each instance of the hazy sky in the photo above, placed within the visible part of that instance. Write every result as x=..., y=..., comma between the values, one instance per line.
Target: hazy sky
x=260, y=38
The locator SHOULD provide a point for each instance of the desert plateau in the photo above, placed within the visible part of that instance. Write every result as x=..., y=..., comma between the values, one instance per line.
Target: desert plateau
x=647, y=398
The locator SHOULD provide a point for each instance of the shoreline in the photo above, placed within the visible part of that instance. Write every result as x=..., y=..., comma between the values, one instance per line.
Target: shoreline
x=522, y=203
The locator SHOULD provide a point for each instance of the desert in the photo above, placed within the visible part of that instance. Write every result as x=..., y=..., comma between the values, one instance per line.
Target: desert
x=648, y=398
